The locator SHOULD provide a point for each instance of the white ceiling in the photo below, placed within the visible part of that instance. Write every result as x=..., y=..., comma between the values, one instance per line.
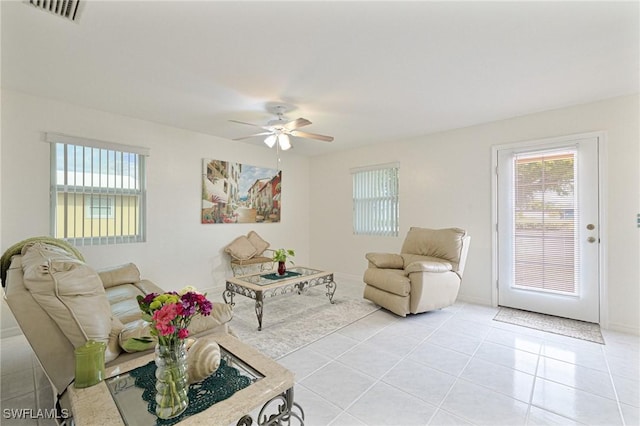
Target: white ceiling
x=363, y=72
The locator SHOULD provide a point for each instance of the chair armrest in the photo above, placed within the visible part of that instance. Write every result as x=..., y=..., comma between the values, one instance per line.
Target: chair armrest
x=385, y=260
x=428, y=266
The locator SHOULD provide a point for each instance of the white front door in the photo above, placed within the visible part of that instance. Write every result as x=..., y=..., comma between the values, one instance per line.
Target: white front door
x=548, y=228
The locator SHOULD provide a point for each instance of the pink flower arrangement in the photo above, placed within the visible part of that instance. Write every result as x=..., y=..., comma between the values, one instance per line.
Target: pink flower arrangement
x=170, y=313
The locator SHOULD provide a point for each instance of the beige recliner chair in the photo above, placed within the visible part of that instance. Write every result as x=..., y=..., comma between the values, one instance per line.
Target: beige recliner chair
x=59, y=301
x=426, y=275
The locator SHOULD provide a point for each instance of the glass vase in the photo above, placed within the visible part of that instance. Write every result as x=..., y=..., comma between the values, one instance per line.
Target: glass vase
x=171, y=380
x=282, y=268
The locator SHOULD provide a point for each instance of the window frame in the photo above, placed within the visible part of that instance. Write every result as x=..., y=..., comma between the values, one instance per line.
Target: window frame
x=123, y=184
x=366, y=195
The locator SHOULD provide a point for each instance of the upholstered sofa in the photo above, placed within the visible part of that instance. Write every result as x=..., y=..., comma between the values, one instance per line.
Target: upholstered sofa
x=424, y=276
x=60, y=302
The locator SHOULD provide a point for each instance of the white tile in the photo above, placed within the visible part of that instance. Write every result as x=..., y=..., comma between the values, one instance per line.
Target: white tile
x=443, y=418
x=431, y=318
x=456, y=341
x=579, y=344
x=575, y=404
x=17, y=383
x=586, y=379
x=16, y=355
x=631, y=414
x=421, y=381
x=467, y=328
x=626, y=367
x=526, y=362
x=338, y=384
x=385, y=405
x=508, y=381
x=410, y=329
x=628, y=390
x=317, y=410
x=346, y=419
x=540, y=417
x=398, y=345
x=514, y=340
x=482, y=406
x=304, y=362
x=333, y=345
x=20, y=410
x=575, y=355
x=369, y=359
x=440, y=358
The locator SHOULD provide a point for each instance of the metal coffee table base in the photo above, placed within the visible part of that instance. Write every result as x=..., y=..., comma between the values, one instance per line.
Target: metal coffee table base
x=260, y=295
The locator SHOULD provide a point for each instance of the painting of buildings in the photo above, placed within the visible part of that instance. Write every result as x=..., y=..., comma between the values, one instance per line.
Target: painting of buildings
x=239, y=193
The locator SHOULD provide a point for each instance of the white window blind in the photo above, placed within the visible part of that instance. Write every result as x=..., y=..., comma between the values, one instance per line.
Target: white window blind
x=98, y=193
x=375, y=200
x=545, y=245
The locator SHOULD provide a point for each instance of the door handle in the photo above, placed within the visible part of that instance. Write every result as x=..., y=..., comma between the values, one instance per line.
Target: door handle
x=591, y=240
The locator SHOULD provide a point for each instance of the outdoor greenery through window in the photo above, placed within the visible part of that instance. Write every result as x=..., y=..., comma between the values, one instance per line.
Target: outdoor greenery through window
x=375, y=200
x=98, y=191
x=545, y=221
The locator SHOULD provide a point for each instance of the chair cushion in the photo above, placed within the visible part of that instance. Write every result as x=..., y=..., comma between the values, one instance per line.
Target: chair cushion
x=385, y=260
x=123, y=274
x=241, y=248
x=257, y=241
x=71, y=293
x=390, y=280
x=440, y=243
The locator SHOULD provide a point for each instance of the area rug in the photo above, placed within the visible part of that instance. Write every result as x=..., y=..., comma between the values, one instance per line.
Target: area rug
x=557, y=325
x=291, y=321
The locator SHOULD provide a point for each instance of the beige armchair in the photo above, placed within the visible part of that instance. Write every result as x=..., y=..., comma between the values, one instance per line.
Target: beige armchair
x=426, y=275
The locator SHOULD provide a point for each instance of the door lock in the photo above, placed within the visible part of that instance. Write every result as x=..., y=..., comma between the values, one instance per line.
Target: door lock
x=591, y=227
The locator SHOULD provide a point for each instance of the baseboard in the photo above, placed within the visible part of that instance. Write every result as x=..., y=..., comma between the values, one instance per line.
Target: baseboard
x=474, y=300
x=622, y=328
x=342, y=275
x=10, y=332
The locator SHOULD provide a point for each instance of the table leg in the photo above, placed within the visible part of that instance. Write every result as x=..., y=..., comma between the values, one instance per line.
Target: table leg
x=287, y=410
x=229, y=293
x=259, y=307
x=331, y=289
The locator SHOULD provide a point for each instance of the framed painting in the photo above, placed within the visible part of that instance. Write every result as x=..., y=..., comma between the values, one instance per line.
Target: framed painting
x=240, y=193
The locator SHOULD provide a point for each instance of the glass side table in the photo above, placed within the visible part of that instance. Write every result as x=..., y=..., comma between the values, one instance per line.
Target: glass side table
x=117, y=401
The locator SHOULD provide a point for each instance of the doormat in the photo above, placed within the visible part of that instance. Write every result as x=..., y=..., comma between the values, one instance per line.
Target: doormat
x=557, y=325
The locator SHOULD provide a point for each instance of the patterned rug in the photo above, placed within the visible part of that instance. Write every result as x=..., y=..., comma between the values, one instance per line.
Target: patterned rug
x=291, y=321
x=557, y=325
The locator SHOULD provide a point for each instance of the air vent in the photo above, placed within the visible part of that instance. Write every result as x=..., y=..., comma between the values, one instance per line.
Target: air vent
x=69, y=9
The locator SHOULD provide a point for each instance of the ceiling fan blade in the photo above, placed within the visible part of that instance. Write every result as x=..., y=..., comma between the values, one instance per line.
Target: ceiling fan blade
x=311, y=136
x=251, y=124
x=250, y=136
x=298, y=122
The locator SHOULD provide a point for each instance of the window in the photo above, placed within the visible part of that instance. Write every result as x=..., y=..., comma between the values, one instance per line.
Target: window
x=98, y=193
x=375, y=200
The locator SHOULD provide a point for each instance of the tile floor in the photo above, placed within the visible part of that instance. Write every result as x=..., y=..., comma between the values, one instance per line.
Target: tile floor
x=450, y=367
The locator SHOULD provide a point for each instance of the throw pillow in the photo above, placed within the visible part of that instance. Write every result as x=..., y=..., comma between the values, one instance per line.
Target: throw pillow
x=257, y=241
x=241, y=248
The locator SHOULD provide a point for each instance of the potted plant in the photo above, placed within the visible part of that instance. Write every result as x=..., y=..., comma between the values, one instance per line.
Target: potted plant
x=280, y=256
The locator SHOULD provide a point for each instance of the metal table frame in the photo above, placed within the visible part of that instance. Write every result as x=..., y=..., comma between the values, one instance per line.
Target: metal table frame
x=241, y=285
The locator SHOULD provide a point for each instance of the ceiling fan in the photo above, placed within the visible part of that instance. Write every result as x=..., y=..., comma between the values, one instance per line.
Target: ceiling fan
x=279, y=129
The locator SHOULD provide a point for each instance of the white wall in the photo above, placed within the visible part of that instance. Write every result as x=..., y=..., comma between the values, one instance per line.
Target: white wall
x=445, y=180
x=179, y=250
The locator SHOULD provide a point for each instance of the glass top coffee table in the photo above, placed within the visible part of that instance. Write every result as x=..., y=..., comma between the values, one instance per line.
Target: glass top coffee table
x=269, y=284
x=118, y=401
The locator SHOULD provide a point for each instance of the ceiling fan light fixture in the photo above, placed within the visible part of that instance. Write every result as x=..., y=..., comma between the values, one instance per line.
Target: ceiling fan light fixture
x=284, y=142
x=270, y=141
